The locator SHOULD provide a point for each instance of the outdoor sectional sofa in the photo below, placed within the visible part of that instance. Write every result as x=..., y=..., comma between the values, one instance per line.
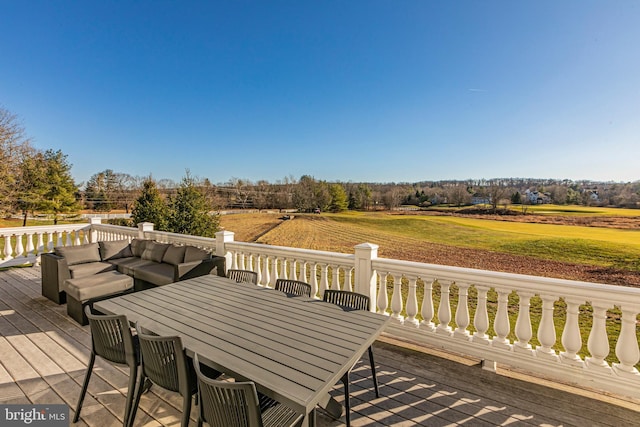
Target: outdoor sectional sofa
x=80, y=274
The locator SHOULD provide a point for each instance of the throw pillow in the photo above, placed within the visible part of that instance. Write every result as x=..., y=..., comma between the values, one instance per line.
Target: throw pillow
x=195, y=254
x=174, y=255
x=138, y=246
x=154, y=251
x=115, y=249
x=79, y=254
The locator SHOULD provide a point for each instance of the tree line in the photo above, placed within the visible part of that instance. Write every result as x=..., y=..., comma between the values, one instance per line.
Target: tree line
x=35, y=181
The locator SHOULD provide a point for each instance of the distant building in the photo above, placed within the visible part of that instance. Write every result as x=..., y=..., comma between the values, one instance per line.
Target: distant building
x=537, y=197
x=480, y=199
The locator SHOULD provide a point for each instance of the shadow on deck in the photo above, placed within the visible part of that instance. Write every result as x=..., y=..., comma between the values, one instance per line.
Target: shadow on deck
x=43, y=356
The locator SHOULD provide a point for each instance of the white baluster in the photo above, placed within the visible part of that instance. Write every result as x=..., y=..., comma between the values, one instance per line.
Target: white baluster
x=383, y=300
x=19, y=246
x=427, y=307
x=546, y=329
x=40, y=244
x=50, y=244
x=523, y=329
x=481, y=317
x=242, y=264
x=77, y=241
x=60, y=237
x=293, y=274
x=8, y=249
x=30, y=247
x=303, y=272
x=598, y=342
x=324, y=278
x=444, y=310
x=627, y=346
x=266, y=279
x=462, y=312
x=349, y=275
x=396, y=298
x=274, y=271
x=571, y=339
x=412, y=303
x=335, y=277
x=313, y=279
x=259, y=260
x=69, y=240
x=501, y=323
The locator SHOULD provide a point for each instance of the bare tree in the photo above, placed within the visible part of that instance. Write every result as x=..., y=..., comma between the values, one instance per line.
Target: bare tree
x=15, y=147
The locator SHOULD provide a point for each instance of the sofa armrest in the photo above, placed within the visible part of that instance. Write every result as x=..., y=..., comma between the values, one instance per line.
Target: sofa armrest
x=54, y=271
x=189, y=270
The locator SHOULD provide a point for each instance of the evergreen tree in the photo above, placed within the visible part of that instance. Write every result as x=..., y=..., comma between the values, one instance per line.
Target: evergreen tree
x=150, y=207
x=60, y=194
x=339, y=200
x=189, y=211
x=31, y=184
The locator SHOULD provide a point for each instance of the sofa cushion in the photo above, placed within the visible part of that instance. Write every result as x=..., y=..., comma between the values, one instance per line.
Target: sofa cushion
x=157, y=273
x=98, y=285
x=154, y=251
x=129, y=265
x=115, y=249
x=79, y=254
x=89, y=269
x=174, y=255
x=195, y=254
x=138, y=246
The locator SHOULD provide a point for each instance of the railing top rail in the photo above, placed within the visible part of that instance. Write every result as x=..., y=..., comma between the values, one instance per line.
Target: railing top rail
x=119, y=228
x=43, y=228
x=285, y=251
x=181, y=237
x=536, y=284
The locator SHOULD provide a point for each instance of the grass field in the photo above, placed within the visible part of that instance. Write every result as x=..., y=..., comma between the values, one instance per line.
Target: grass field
x=478, y=243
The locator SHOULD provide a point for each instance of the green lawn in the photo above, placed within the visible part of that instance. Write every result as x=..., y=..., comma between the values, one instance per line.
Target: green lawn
x=606, y=247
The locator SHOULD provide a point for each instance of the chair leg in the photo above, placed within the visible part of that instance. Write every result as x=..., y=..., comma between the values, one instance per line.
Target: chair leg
x=186, y=409
x=85, y=385
x=373, y=371
x=131, y=391
x=140, y=388
x=347, y=402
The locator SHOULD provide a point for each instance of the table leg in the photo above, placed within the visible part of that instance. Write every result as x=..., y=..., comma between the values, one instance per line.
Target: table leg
x=310, y=419
x=332, y=406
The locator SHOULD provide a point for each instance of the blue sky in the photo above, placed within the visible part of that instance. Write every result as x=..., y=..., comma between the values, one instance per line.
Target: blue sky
x=377, y=91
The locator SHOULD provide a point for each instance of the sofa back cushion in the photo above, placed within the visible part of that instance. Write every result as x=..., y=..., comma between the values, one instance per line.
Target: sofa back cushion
x=192, y=253
x=138, y=246
x=115, y=249
x=154, y=251
x=174, y=255
x=79, y=254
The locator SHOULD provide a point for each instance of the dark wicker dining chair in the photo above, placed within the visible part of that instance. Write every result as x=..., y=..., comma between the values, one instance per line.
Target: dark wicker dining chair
x=165, y=363
x=293, y=287
x=111, y=339
x=246, y=276
x=352, y=301
x=236, y=404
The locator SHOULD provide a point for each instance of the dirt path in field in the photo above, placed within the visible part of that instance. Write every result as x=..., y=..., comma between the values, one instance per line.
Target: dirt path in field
x=316, y=232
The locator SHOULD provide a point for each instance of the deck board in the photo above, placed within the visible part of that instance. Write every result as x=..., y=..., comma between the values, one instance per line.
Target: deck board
x=43, y=357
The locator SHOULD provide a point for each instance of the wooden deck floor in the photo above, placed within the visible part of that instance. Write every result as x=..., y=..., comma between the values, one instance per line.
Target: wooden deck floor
x=43, y=356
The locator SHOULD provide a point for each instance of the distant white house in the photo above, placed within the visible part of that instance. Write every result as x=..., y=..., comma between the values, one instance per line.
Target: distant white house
x=537, y=197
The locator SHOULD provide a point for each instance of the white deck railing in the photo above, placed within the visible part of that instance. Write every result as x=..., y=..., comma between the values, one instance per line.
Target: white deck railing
x=479, y=313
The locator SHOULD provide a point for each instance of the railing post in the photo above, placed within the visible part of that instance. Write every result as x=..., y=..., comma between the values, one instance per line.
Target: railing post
x=143, y=227
x=365, y=275
x=93, y=234
x=222, y=237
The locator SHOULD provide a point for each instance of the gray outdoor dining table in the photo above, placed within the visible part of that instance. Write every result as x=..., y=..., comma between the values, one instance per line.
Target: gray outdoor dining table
x=294, y=348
